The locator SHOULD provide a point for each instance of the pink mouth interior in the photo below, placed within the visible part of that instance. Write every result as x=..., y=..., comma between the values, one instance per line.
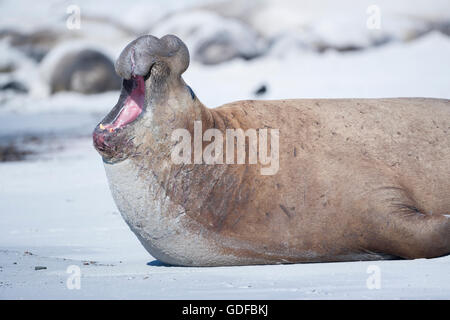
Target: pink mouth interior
x=132, y=107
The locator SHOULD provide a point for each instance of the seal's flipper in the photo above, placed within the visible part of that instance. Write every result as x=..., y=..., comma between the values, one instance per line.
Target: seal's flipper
x=403, y=229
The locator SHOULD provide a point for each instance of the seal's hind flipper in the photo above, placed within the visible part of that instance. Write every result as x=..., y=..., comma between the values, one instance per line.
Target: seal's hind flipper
x=404, y=229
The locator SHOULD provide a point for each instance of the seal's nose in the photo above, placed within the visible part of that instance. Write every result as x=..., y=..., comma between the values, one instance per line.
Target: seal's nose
x=99, y=139
x=111, y=143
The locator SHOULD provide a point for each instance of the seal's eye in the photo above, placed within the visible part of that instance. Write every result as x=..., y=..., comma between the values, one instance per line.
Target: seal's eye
x=148, y=73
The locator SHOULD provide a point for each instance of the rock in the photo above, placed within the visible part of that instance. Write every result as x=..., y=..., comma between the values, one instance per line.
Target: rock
x=346, y=25
x=236, y=9
x=11, y=59
x=14, y=86
x=40, y=268
x=141, y=17
x=443, y=27
x=287, y=43
x=7, y=68
x=211, y=38
x=12, y=153
x=261, y=90
x=34, y=44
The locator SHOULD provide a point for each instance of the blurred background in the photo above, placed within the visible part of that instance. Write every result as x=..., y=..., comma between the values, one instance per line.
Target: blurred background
x=56, y=67
x=57, y=81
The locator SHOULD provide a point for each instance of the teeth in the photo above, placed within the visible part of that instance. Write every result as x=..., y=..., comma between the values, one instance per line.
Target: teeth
x=102, y=127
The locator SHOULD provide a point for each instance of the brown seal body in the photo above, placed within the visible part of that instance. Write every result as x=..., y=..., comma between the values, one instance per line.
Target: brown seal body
x=358, y=179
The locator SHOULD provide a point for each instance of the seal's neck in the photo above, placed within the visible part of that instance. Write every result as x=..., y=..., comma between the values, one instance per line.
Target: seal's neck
x=171, y=105
x=184, y=183
x=175, y=108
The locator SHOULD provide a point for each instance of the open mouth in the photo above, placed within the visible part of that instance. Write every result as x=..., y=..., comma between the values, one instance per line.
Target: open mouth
x=106, y=137
x=132, y=106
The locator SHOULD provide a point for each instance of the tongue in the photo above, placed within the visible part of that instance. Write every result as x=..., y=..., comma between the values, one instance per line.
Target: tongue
x=129, y=113
x=132, y=107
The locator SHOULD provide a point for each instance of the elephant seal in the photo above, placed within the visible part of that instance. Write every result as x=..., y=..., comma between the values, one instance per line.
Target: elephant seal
x=358, y=179
x=85, y=71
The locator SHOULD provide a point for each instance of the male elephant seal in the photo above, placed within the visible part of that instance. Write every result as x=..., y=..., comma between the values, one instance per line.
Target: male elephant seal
x=86, y=71
x=358, y=179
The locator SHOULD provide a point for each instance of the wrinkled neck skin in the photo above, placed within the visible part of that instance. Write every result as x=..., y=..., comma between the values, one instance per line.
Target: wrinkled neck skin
x=170, y=105
x=164, y=203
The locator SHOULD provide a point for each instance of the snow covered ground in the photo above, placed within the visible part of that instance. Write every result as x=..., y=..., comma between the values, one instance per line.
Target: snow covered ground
x=56, y=210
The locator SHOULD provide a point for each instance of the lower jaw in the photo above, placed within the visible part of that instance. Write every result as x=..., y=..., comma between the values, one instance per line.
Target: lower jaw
x=113, y=147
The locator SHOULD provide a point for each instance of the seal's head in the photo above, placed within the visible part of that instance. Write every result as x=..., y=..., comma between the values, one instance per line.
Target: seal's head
x=151, y=69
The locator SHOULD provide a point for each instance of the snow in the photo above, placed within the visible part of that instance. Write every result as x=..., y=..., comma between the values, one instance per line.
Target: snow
x=344, y=22
x=56, y=209
x=28, y=14
x=211, y=38
x=415, y=69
